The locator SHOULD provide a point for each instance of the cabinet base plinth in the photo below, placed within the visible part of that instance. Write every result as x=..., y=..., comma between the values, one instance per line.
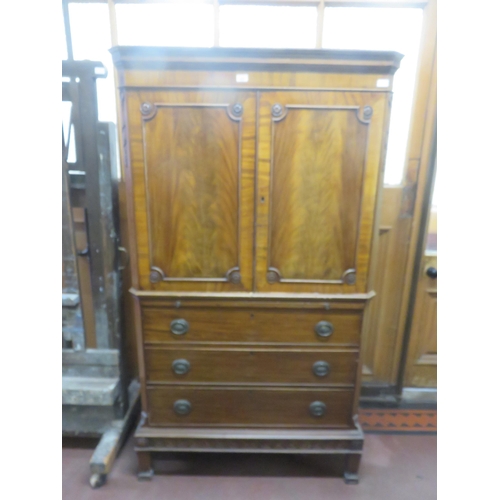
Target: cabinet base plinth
x=230, y=440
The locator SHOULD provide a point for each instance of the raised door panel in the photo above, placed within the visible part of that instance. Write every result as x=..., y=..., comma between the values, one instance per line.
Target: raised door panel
x=192, y=157
x=421, y=364
x=319, y=164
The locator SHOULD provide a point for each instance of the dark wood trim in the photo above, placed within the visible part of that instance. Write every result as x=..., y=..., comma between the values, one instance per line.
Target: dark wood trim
x=140, y=358
x=317, y=60
x=254, y=88
x=257, y=440
x=378, y=395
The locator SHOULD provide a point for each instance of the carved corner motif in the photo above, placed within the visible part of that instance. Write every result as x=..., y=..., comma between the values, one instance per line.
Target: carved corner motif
x=349, y=277
x=366, y=114
x=234, y=276
x=156, y=275
x=273, y=275
x=148, y=110
x=278, y=112
x=235, y=111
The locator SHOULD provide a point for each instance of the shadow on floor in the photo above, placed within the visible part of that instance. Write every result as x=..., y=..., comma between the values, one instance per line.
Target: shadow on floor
x=248, y=465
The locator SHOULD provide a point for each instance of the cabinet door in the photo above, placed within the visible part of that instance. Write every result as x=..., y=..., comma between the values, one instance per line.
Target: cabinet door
x=192, y=158
x=319, y=163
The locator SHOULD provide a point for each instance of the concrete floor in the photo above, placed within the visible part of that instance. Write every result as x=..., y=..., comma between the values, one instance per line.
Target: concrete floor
x=394, y=467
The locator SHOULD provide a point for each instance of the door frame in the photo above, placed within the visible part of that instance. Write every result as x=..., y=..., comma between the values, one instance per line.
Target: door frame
x=420, y=250
x=391, y=342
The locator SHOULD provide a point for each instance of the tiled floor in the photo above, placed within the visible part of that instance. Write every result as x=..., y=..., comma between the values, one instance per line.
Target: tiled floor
x=394, y=467
x=398, y=420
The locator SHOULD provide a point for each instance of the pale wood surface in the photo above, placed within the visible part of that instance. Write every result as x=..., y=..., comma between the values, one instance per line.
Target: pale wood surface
x=399, y=225
x=355, y=300
x=421, y=364
x=419, y=159
x=380, y=333
x=257, y=80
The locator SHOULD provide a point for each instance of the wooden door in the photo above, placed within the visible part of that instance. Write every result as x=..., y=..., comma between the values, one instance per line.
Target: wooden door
x=193, y=159
x=421, y=360
x=319, y=156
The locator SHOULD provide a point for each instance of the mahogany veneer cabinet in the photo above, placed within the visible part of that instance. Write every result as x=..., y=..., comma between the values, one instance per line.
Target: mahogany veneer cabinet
x=252, y=183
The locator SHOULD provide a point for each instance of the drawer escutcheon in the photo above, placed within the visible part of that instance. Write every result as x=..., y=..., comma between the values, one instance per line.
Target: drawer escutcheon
x=181, y=366
x=324, y=328
x=179, y=326
x=317, y=409
x=321, y=368
x=182, y=407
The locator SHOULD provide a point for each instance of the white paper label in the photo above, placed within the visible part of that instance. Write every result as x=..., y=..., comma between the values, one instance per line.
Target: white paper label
x=382, y=83
x=242, y=77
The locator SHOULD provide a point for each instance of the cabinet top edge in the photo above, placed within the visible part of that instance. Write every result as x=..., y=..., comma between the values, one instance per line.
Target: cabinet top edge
x=351, y=297
x=225, y=58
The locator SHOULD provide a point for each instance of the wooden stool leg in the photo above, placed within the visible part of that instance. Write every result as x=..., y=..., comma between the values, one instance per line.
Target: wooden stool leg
x=352, y=461
x=145, y=472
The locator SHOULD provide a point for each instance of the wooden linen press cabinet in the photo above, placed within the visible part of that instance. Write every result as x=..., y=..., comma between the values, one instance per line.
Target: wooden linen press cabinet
x=252, y=183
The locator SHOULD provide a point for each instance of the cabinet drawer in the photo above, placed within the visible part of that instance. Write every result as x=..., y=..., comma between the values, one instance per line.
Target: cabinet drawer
x=256, y=365
x=187, y=405
x=251, y=325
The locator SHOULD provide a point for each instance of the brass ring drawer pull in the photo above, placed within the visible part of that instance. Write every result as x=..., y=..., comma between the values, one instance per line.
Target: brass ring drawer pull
x=182, y=407
x=321, y=368
x=317, y=409
x=179, y=326
x=324, y=328
x=181, y=366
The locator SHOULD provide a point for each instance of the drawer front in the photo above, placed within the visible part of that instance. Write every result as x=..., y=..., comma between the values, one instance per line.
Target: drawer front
x=251, y=325
x=229, y=365
x=185, y=405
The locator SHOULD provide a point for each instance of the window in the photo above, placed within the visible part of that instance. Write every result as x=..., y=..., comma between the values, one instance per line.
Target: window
x=192, y=23
x=172, y=24
x=383, y=29
x=267, y=26
x=63, y=33
x=91, y=39
x=68, y=131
